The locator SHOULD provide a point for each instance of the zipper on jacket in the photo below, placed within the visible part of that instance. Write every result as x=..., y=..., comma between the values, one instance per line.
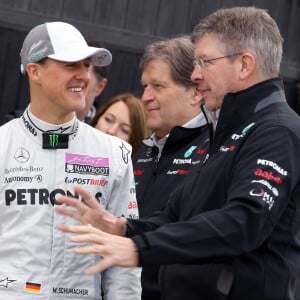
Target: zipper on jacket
x=210, y=134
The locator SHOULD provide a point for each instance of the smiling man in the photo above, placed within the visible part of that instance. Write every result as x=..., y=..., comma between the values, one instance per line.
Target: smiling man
x=44, y=153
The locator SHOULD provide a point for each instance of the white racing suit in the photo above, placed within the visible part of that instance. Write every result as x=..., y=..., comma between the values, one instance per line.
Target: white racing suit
x=36, y=259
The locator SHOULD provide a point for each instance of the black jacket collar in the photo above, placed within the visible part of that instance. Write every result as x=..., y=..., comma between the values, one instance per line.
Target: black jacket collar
x=238, y=107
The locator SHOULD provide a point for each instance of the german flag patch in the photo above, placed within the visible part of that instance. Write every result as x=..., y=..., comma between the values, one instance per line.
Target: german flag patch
x=33, y=287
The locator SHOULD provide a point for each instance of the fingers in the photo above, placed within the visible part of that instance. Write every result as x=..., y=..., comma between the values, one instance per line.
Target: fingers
x=72, y=202
x=102, y=265
x=106, y=261
x=78, y=229
x=68, y=212
x=89, y=234
x=89, y=200
x=113, y=250
x=79, y=208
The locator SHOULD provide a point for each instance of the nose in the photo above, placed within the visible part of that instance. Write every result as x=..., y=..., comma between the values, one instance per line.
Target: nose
x=197, y=74
x=148, y=94
x=82, y=71
x=112, y=130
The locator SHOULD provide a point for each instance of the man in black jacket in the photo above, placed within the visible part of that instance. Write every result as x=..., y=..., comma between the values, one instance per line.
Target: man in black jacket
x=232, y=231
x=179, y=140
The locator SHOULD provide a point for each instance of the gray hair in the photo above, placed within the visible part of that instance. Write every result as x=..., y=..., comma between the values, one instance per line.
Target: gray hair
x=178, y=52
x=245, y=29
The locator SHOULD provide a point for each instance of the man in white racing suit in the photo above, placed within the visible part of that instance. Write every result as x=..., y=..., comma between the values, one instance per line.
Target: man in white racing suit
x=44, y=154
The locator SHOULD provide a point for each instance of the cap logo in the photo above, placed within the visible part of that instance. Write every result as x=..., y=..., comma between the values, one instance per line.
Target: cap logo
x=34, y=46
x=101, y=58
x=37, y=56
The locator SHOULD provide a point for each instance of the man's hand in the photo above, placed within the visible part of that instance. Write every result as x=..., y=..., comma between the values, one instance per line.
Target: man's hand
x=114, y=250
x=90, y=212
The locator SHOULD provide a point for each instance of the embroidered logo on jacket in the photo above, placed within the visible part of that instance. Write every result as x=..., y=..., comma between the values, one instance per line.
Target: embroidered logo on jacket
x=125, y=153
x=189, y=152
x=84, y=164
x=33, y=287
x=5, y=282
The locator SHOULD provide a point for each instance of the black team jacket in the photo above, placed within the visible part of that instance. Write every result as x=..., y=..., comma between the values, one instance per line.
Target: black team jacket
x=156, y=177
x=232, y=230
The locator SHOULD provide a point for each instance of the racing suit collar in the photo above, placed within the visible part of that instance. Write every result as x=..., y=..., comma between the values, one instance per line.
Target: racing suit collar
x=39, y=128
x=43, y=126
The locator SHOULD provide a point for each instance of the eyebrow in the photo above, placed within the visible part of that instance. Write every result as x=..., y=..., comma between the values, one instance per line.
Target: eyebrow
x=112, y=115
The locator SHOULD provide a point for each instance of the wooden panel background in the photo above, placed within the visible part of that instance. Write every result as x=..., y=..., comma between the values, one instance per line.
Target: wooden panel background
x=126, y=27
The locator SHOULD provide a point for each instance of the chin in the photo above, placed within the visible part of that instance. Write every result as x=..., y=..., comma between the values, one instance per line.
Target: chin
x=212, y=104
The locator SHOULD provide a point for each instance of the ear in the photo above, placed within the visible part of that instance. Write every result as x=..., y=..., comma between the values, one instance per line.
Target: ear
x=101, y=85
x=33, y=72
x=247, y=65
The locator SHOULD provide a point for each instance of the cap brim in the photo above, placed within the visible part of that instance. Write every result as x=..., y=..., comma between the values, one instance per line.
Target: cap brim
x=100, y=57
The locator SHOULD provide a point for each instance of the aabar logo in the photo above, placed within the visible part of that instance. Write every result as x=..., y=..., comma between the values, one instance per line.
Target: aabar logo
x=268, y=175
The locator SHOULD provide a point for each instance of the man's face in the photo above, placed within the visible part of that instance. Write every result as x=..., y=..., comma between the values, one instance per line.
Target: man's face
x=62, y=86
x=218, y=77
x=167, y=103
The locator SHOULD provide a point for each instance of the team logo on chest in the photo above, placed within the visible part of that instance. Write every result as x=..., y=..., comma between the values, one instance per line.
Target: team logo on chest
x=84, y=164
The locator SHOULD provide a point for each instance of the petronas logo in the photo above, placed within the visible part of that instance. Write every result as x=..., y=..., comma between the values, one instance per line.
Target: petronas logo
x=53, y=140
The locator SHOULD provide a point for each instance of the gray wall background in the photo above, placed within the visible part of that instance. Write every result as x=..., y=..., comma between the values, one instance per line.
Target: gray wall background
x=126, y=27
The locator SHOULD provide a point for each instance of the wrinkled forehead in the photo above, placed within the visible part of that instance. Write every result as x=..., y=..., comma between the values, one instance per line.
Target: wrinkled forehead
x=208, y=45
x=157, y=68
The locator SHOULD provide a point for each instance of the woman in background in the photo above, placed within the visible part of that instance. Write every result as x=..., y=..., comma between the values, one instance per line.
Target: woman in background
x=123, y=116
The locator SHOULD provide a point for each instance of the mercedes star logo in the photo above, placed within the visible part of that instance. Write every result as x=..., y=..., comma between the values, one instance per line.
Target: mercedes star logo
x=22, y=155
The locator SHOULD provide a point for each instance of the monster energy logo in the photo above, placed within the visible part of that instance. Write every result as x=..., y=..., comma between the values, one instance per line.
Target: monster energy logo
x=53, y=140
